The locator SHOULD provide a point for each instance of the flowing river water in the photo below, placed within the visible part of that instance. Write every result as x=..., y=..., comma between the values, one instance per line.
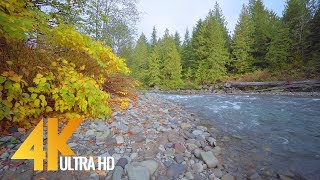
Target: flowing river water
x=266, y=134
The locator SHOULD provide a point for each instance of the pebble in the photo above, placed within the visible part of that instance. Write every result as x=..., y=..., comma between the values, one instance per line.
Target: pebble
x=122, y=162
x=197, y=132
x=117, y=173
x=217, y=172
x=179, y=158
x=175, y=170
x=179, y=148
x=228, y=177
x=185, y=126
x=138, y=172
x=209, y=159
x=197, y=167
x=211, y=141
x=119, y=140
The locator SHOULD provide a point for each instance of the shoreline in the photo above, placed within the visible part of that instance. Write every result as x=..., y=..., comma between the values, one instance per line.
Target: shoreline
x=237, y=92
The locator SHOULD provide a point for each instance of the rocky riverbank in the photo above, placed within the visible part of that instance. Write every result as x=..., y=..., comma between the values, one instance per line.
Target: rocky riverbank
x=233, y=91
x=153, y=139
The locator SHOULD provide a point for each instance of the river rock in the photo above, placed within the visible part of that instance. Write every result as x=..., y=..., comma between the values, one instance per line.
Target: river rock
x=189, y=176
x=122, y=162
x=137, y=172
x=175, y=170
x=255, y=176
x=185, y=126
x=179, y=148
x=179, y=158
x=191, y=147
x=117, y=173
x=197, y=153
x=4, y=155
x=151, y=165
x=212, y=141
x=217, y=151
x=7, y=139
x=228, y=177
x=217, y=172
x=136, y=130
x=197, y=132
x=197, y=167
x=89, y=133
x=124, y=128
x=119, y=139
x=209, y=159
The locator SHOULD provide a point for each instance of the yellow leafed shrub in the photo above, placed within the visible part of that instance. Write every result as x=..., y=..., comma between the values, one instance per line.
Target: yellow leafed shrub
x=61, y=72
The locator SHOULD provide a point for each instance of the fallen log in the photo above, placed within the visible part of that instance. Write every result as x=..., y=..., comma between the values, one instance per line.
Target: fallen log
x=285, y=84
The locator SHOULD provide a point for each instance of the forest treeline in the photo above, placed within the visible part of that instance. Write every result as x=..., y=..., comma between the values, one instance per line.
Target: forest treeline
x=263, y=46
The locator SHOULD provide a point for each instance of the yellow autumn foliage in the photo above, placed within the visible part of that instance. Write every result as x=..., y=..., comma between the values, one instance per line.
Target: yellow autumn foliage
x=54, y=70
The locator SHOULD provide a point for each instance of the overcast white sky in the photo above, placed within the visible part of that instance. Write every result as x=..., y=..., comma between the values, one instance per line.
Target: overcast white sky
x=177, y=15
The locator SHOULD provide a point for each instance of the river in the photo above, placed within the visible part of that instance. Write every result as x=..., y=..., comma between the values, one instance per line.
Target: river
x=266, y=134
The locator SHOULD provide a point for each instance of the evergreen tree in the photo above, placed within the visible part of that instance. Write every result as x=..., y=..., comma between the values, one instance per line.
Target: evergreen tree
x=154, y=40
x=211, y=51
x=195, y=44
x=140, y=57
x=154, y=67
x=259, y=17
x=171, y=71
x=242, y=43
x=177, y=40
x=278, y=50
x=314, y=39
x=186, y=52
x=296, y=16
x=218, y=14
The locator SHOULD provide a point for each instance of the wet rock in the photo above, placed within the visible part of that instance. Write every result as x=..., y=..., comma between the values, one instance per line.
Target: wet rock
x=212, y=141
x=255, y=176
x=197, y=132
x=137, y=172
x=209, y=159
x=228, y=177
x=122, y=162
x=117, y=173
x=217, y=151
x=179, y=148
x=284, y=177
x=175, y=170
x=202, y=128
x=197, y=167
